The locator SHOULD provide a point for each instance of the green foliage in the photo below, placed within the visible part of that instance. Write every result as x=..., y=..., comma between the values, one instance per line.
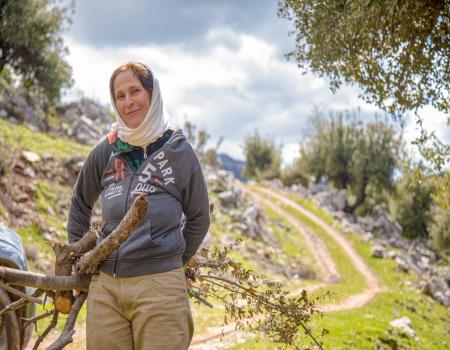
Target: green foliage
x=198, y=139
x=397, y=52
x=439, y=228
x=353, y=155
x=292, y=175
x=374, y=197
x=411, y=204
x=31, y=45
x=262, y=157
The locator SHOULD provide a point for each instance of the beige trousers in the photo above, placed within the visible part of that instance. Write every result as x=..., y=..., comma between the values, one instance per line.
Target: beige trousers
x=148, y=312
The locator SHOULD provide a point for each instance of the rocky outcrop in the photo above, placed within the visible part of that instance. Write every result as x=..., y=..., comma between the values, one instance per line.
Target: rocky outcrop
x=15, y=107
x=85, y=120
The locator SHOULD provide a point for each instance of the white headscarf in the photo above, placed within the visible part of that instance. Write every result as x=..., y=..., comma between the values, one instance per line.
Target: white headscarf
x=152, y=127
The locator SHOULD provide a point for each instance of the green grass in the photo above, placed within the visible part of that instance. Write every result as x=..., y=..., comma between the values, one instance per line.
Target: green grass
x=43, y=324
x=32, y=235
x=205, y=317
x=290, y=241
x=47, y=197
x=18, y=137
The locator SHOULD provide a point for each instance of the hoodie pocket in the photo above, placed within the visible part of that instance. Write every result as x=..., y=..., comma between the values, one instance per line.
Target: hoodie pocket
x=140, y=245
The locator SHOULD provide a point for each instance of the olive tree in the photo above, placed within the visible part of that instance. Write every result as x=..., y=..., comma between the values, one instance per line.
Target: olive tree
x=31, y=44
x=353, y=155
x=262, y=157
x=397, y=52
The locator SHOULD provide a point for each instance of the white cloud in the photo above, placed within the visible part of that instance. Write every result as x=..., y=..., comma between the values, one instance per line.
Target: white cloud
x=236, y=84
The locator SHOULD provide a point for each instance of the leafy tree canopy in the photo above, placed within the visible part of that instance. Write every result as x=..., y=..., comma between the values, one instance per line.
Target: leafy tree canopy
x=31, y=44
x=398, y=52
x=262, y=157
x=352, y=154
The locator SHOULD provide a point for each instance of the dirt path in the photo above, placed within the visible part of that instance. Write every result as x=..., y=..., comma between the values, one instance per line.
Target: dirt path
x=374, y=286
x=325, y=264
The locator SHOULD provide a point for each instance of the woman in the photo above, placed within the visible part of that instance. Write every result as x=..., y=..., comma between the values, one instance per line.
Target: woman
x=138, y=300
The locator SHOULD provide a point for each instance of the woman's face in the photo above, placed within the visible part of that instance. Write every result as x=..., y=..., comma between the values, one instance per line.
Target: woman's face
x=132, y=100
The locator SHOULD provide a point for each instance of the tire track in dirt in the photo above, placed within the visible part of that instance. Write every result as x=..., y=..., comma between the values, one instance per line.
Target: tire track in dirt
x=374, y=286
x=320, y=253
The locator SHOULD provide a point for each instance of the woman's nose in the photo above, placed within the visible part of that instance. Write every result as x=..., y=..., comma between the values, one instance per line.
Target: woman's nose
x=128, y=100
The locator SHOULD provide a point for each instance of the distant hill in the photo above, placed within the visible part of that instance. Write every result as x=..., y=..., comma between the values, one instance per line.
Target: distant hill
x=233, y=165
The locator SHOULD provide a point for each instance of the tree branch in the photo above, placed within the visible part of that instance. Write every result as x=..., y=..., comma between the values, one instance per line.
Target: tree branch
x=66, y=336
x=138, y=211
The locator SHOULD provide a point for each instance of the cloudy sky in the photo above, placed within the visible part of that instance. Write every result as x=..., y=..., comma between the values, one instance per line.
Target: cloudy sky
x=220, y=64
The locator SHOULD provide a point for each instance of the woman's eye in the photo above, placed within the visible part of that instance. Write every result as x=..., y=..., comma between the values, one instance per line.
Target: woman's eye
x=120, y=97
x=135, y=91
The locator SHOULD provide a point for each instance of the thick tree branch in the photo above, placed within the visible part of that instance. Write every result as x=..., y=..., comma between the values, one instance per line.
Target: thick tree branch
x=37, y=280
x=89, y=262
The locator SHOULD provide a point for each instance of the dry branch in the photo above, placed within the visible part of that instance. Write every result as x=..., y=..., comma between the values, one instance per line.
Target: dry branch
x=66, y=336
x=47, y=330
x=37, y=280
x=19, y=293
x=138, y=211
x=36, y=318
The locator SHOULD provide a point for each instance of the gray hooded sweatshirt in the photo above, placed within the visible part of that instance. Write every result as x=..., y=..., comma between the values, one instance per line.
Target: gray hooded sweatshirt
x=173, y=182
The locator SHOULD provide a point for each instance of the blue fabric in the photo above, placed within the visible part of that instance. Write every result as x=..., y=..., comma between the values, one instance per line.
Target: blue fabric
x=11, y=248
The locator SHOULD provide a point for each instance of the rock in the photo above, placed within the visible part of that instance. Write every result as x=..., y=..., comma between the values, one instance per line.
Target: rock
x=402, y=265
x=381, y=223
x=378, y=251
x=340, y=200
x=317, y=187
x=15, y=103
x=230, y=199
x=255, y=220
x=219, y=181
x=47, y=236
x=420, y=249
x=86, y=132
x=29, y=172
x=86, y=120
x=444, y=272
x=404, y=325
x=391, y=254
x=306, y=274
x=30, y=156
x=32, y=252
x=299, y=189
x=437, y=288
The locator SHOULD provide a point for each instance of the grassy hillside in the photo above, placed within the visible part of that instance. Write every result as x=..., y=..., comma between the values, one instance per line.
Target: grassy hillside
x=41, y=202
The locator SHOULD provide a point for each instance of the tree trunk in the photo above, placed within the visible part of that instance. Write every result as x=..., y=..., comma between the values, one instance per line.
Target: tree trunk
x=360, y=199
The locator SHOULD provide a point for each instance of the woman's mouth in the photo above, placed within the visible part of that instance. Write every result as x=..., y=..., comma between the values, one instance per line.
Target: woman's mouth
x=132, y=112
